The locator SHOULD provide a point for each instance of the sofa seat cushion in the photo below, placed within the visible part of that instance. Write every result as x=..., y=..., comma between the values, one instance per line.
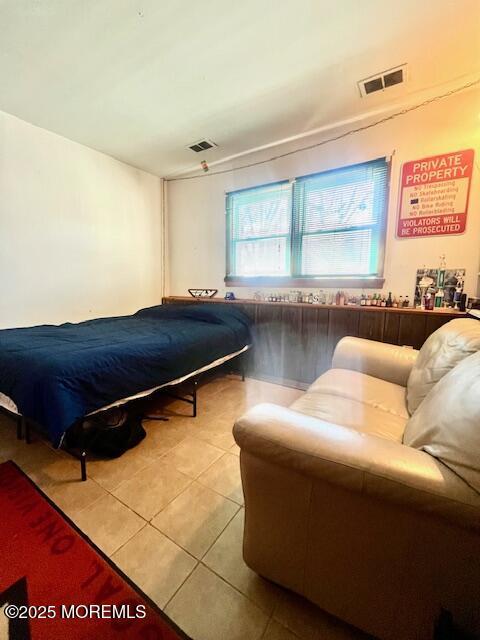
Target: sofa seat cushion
x=442, y=351
x=361, y=387
x=358, y=401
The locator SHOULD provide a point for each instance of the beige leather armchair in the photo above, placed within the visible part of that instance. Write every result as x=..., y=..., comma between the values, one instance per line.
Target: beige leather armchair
x=380, y=534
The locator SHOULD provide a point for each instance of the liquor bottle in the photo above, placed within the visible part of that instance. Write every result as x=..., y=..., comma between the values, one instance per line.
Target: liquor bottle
x=457, y=296
x=341, y=300
x=395, y=302
x=389, y=301
x=441, y=272
x=384, y=302
x=363, y=300
x=369, y=300
x=400, y=301
x=406, y=302
x=439, y=296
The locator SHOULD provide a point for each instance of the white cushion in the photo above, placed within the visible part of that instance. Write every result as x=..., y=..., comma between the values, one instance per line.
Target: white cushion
x=443, y=350
x=447, y=423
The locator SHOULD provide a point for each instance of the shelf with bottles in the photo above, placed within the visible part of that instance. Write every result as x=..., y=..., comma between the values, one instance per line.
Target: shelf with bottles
x=338, y=299
x=344, y=299
x=350, y=304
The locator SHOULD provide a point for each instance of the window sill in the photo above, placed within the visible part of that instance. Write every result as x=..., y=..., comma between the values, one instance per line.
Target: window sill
x=307, y=283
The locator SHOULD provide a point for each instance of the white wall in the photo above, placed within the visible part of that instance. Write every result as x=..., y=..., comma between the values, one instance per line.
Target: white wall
x=196, y=216
x=80, y=233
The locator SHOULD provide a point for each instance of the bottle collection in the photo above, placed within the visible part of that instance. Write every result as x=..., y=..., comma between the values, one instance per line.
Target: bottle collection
x=435, y=289
x=434, y=292
x=340, y=298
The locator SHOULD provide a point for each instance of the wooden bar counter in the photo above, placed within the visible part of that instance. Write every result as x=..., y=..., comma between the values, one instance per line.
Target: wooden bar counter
x=294, y=342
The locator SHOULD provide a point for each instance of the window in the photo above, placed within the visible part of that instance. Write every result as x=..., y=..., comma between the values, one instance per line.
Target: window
x=327, y=226
x=259, y=222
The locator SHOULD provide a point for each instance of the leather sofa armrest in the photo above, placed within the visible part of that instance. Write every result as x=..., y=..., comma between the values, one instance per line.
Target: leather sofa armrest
x=378, y=359
x=356, y=461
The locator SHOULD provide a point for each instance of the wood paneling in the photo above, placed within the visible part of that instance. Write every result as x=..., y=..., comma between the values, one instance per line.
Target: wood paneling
x=294, y=343
x=291, y=338
x=411, y=331
x=267, y=358
x=371, y=326
x=341, y=323
x=314, y=330
x=391, y=328
x=433, y=323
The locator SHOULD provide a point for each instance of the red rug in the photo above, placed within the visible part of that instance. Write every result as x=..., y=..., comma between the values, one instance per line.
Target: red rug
x=54, y=583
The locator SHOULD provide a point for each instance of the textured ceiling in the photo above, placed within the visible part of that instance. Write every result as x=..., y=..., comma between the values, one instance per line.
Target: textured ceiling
x=140, y=80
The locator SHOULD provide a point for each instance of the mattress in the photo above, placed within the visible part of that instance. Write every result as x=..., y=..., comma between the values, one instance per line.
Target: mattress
x=56, y=375
x=8, y=404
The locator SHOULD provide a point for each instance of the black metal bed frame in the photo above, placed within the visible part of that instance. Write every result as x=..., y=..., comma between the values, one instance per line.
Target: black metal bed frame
x=24, y=426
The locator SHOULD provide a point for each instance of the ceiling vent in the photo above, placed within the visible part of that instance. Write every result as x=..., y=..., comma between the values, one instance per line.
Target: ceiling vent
x=202, y=145
x=383, y=80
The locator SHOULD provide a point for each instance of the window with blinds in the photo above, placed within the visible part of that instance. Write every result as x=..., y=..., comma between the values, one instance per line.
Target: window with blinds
x=339, y=217
x=259, y=222
x=320, y=226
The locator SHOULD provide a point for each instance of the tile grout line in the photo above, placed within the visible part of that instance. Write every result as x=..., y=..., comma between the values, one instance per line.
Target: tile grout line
x=149, y=521
x=123, y=481
x=232, y=586
x=245, y=595
x=272, y=619
x=200, y=561
x=127, y=541
x=180, y=586
x=214, y=397
x=192, y=480
x=178, y=544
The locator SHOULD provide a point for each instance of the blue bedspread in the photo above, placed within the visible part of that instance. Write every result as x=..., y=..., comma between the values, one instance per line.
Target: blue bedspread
x=57, y=374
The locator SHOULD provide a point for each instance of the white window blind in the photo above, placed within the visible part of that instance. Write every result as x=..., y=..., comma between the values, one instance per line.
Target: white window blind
x=329, y=224
x=339, y=217
x=259, y=222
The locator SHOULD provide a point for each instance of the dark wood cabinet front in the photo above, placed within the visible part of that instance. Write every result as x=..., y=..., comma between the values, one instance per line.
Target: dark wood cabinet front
x=294, y=343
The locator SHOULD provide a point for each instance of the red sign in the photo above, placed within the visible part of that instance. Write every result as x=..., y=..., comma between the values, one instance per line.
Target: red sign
x=434, y=195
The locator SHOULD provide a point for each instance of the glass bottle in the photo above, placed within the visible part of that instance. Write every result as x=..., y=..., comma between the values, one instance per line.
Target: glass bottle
x=439, y=296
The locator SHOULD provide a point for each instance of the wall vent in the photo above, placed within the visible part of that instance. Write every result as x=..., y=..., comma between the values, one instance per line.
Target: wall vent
x=202, y=145
x=383, y=80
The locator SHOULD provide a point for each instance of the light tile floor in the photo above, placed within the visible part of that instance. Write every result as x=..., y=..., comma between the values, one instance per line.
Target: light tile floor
x=170, y=514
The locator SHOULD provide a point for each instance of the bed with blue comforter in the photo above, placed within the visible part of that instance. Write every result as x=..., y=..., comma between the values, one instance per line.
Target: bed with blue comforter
x=57, y=374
